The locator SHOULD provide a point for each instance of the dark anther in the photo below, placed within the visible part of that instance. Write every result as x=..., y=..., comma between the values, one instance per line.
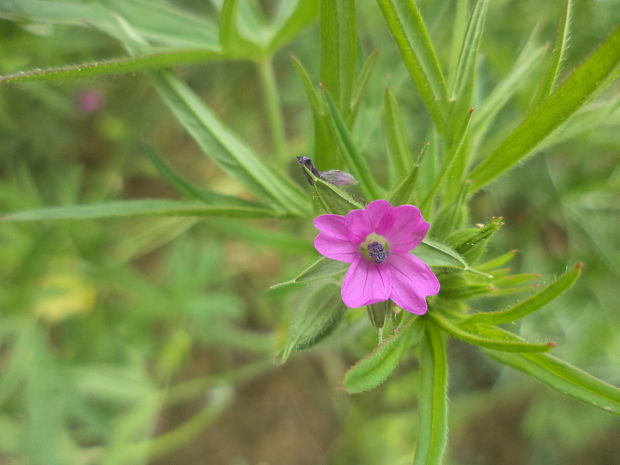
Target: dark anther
x=377, y=252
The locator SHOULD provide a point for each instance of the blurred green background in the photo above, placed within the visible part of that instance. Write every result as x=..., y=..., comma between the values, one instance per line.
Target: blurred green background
x=152, y=340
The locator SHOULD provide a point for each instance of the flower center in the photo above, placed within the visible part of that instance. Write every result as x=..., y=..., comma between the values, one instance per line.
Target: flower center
x=375, y=248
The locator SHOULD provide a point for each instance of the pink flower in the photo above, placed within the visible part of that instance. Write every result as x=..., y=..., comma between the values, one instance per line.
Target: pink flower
x=377, y=242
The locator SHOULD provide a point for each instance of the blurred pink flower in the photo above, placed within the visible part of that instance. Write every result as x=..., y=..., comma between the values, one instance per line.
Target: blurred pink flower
x=89, y=101
x=377, y=242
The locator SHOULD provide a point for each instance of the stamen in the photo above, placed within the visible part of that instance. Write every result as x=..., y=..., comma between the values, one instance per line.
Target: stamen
x=377, y=252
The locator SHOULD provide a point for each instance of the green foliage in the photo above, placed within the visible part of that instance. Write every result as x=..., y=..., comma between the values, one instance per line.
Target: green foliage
x=565, y=378
x=354, y=161
x=318, y=270
x=433, y=403
x=411, y=36
x=581, y=86
x=495, y=343
x=559, y=52
x=525, y=307
x=135, y=208
x=104, y=325
x=115, y=66
x=224, y=147
x=471, y=243
x=401, y=158
x=338, y=50
x=316, y=318
x=404, y=192
x=375, y=368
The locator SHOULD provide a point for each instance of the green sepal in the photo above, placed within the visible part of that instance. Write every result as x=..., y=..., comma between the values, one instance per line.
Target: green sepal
x=378, y=313
x=317, y=317
x=328, y=198
x=471, y=243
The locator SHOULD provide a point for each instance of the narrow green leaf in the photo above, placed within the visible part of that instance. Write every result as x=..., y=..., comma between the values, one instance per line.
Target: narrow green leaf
x=75, y=14
x=505, y=345
x=219, y=399
x=372, y=370
x=319, y=269
x=530, y=305
x=338, y=50
x=190, y=190
x=466, y=68
x=584, y=83
x=411, y=36
x=461, y=287
x=434, y=253
x=454, y=152
x=403, y=192
x=220, y=144
x=290, y=19
x=311, y=93
x=451, y=217
x=233, y=43
x=564, y=377
x=496, y=262
x=433, y=399
x=360, y=85
x=42, y=403
x=316, y=318
x=603, y=112
x=507, y=87
x=459, y=29
x=115, y=66
x=324, y=146
x=164, y=24
x=140, y=207
x=400, y=157
x=514, y=279
x=559, y=53
x=356, y=163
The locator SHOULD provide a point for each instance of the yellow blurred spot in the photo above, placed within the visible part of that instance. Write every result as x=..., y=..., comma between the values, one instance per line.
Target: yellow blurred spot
x=63, y=295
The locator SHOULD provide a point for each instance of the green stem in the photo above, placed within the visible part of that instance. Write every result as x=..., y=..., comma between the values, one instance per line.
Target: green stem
x=272, y=107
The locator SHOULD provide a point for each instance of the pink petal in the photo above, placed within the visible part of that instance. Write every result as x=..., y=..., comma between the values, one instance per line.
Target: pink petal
x=336, y=249
x=366, y=283
x=376, y=210
x=332, y=225
x=361, y=223
x=404, y=228
x=358, y=226
x=412, y=282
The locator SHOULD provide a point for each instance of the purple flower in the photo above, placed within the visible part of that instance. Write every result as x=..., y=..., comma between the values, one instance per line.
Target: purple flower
x=377, y=242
